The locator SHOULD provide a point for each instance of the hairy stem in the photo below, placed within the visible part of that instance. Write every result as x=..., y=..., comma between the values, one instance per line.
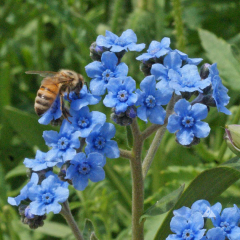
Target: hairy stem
x=157, y=139
x=66, y=213
x=137, y=183
x=177, y=14
x=125, y=153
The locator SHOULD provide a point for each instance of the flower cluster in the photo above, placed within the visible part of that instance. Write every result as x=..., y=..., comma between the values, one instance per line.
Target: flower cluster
x=188, y=223
x=84, y=141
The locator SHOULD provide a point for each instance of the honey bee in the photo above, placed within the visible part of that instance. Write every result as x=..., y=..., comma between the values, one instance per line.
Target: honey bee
x=54, y=84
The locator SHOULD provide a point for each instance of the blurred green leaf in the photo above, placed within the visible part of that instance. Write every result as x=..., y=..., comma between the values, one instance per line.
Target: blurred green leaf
x=220, y=51
x=207, y=185
x=164, y=204
x=17, y=171
x=88, y=230
x=27, y=126
x=54, y=229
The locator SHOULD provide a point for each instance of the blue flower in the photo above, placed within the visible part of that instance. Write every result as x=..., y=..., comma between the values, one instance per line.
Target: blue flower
x=184, y=229
x=63, y=143
x=187, y=121
x=40, y=162
x=53, y=113
x=228, y=221
x=28, y=213
x=184, y=57
x=156, y=50
x=85, y=98
x=150, y=101
x=47, y=196
x=120, y=94
x=83, y=168
x=24, y=192
x=215, y=234
x=102, y=72
x=187, y=79
x=84, y=121
x=206, y=209
x=219, y=91
x=161, y=72
x=57, y=179
x=100, y=141
x=127, y=41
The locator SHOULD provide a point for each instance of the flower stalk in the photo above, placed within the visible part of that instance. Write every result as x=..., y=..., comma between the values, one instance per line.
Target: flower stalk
x=137, y=183
x=66, y=213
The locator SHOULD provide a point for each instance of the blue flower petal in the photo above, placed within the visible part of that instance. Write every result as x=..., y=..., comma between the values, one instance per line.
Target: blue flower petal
x=199, y=111
x=94, y=69
x=111, y=149
x=109, y=60
x=185, y=136
x=97, y=174
x=157, y=115
x=201, y=129
x=174, y=123
x=142, y=113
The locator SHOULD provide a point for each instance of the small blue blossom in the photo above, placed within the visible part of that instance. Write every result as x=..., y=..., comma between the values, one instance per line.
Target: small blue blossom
x=219, y=91
x=84, y=99
x=184, y=57
x=83, y=168
x=24, y=192
x=206, y=209
x=191, y=229
x=100, y=141
x=40, y=162
x=187, y=121
x=150, y=101
x=127, y=41
x=57, y=179
x=228, y=221
x=120, y=94
x=64, y=143
x=84, y=121
x=161, y=72
x=102, y=72
x=156, y=50
x=47, y=196
x=187, y=79
x=53, y=113
x=215, y=234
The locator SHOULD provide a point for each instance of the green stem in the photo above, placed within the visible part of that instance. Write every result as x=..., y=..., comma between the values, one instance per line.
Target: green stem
x=137, y=183
x=66, y=213
x=177, y=15
x=157, y=139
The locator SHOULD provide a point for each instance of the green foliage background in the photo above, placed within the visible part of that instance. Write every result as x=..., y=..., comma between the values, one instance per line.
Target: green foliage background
x=50, y=35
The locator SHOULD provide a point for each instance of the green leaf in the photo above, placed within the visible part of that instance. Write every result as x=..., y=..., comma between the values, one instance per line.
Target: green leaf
x=93, y=236
x=27, y=126
x=17, y=171
x=54, y=229
x=207, y=185
x=220, y=51
x=164, y=204
x=88, y=229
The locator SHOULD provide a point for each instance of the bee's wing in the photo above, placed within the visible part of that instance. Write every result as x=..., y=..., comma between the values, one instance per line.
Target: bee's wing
x=56, y=80
x=43, y=73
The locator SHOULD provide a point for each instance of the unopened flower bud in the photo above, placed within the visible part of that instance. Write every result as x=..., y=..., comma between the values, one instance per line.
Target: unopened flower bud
x=131, y=112
x=204, y=71
x=232, y=137
x=96, y=51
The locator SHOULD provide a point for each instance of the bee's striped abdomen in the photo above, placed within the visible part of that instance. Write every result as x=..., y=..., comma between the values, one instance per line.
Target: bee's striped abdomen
x=45, y=98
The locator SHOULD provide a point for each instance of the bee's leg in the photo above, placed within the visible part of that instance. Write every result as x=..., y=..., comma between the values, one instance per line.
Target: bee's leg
x=87, y=86
x=65, y=112
x=68, y=91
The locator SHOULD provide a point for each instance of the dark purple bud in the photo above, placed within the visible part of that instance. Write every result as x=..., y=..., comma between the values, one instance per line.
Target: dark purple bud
x=131, y=112
x=204, y=71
